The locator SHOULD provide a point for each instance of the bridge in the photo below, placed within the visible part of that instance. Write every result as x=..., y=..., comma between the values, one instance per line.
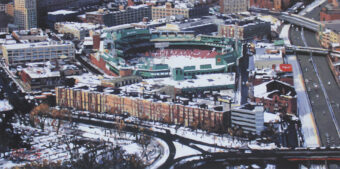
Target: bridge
x=323, y=51
x=300, y=21
x=292, y=18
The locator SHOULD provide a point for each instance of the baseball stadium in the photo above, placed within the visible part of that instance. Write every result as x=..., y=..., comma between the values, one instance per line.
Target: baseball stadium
x=180, y=55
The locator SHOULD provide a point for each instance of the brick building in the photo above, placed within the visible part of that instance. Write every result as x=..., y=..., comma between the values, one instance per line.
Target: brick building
x=244, y=29
x=149, y=109
x=276, y=96
x=276, y=5
x=331, y=11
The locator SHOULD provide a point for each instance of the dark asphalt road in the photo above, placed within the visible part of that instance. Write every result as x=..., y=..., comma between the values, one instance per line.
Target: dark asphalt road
x=323, y=118
x=315, y=14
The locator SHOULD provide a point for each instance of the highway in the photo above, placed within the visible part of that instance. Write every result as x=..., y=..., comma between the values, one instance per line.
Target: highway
x=309, y=129
x=281, y=158
x=326, y=116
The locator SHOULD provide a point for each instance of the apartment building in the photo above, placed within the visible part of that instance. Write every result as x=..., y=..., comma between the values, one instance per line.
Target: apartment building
x=131, y=14
x=182, y=10
x=25, y=14
x=15, y=54
x=10, y=9
x=329, y=35
x=78, y=30
x=86, y=99
x=234, y=6
x=245, y=29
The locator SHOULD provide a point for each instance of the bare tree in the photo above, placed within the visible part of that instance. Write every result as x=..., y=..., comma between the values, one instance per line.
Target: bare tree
x=39, y=114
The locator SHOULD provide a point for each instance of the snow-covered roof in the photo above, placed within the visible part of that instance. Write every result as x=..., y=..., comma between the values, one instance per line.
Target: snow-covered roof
x=261, y=54
x=201, y=81
x=79, y=26
x=261, y=89
x=62, y=12
x=138, y=6
x=40, y=72
x=173, y=61
x=271, y=117
x=36, y=45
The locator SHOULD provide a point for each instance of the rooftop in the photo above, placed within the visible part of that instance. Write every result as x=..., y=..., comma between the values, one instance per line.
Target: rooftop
x=266, y=89
x=333, y=25
x=41, y=70
x=79, y=26
x=201, y=81
x=36, y=45
x=62, y=12
x=248, y=106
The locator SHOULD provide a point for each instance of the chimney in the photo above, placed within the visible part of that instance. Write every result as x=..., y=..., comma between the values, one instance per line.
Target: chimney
x=121, y=7
x=145, y=19
x=96, y=41
x=130, y=3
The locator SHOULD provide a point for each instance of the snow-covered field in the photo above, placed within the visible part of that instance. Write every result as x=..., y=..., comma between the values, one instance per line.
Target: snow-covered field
x=48, y=145
x=183, y=150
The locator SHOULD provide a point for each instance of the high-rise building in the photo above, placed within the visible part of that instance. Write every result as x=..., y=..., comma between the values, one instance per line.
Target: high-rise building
x=233, y=6
x=182, y=10
x=25, y=14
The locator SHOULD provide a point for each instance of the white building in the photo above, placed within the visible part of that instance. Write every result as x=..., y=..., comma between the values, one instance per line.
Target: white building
x=78, y=30
x=25, y=14
x=15, y=54
x=249, y=117
x=2, y=7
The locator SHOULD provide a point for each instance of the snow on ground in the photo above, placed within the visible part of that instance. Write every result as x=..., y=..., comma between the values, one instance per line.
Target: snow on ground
x=211, y=149
x=164, y=154
x=87, y=79
x=284, y=34
x=262, y=146
x=5, y=106
x=183, y=150
x=212, y=138
x=133, y=148
x=49, y=145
